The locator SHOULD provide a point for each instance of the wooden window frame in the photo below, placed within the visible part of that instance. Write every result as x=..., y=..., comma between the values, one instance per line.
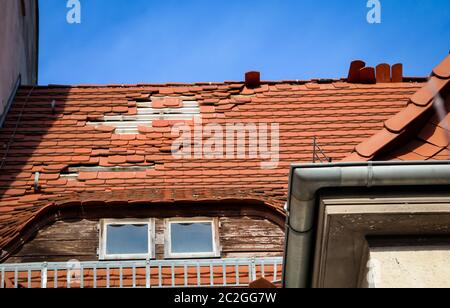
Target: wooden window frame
x=103, y=236
x=168, y=254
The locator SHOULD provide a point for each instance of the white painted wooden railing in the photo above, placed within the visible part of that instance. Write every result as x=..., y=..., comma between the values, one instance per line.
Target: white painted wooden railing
x=141, y=274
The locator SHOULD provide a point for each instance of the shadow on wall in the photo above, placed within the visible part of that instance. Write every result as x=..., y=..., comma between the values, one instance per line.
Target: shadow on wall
x=32, y=129
x=19, y=21
x=32, y=126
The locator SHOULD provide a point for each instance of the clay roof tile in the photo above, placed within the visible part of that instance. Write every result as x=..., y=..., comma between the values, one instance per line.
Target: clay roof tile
x=373, y=145
x=338, y=113
x=426, y=95
x=400, y=121
x=435, y=135
x=443, y=69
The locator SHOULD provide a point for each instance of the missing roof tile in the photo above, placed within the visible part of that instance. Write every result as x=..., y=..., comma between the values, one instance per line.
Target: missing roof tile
x=148, y=112
x=73, y=172
x=107, y=169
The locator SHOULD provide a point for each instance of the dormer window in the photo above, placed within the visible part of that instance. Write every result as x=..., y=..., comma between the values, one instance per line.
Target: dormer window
x=126, y=239
x=192, y=238
x=137, y=239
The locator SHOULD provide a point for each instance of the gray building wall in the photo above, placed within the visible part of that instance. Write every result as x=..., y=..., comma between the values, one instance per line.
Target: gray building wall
x=18, y=45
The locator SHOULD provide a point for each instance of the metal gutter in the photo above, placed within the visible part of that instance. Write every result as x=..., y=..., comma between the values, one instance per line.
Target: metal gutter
x=305, y=182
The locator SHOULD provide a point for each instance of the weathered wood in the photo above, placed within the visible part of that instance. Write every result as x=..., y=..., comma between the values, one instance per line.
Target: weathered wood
x=75, y=211
x=242, y=242
x=256, y=254
x=49, y=258
x=159, y=252
x=79, y=239
x=59, y=248
x=70, y=230
x=253, y=248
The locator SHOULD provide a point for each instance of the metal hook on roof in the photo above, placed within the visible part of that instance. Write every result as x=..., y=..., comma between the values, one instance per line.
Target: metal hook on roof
x=36, y=181
x=53, y=106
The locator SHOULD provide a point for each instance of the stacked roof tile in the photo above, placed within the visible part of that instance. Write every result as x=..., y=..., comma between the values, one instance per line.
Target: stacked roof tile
x=420, y=131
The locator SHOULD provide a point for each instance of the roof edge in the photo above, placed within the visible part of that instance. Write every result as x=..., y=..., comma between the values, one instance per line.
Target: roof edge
x=323, y=81
x=420, y=103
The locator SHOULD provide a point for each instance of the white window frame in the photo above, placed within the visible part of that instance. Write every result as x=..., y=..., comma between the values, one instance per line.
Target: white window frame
x=104, y=223
x=216, y=253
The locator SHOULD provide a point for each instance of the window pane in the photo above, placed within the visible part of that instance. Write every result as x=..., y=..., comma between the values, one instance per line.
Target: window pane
x=192, y=237
x=127, y=239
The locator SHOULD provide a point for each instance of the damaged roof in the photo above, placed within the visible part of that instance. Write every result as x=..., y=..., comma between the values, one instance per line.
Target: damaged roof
x=111, y=144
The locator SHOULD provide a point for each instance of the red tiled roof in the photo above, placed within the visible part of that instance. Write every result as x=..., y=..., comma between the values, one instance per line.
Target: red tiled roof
x=420, y=131
x=49, y=141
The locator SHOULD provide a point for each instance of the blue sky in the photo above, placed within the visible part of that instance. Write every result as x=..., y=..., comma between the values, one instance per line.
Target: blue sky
x=196, y=40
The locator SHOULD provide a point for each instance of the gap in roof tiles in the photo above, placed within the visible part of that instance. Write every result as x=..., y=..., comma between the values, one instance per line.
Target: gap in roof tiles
x=79, y=169
x=147, y=112
x=73, y=172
